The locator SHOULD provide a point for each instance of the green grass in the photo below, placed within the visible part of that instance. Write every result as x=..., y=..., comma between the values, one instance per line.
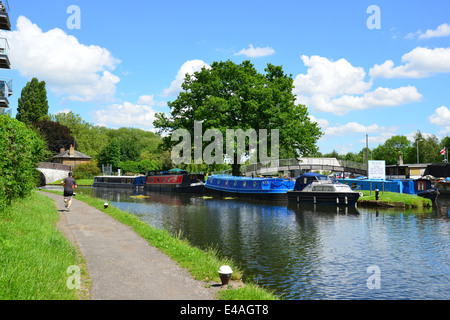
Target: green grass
x=34, y=254
x=80, y=182
x=410, y=201
x=202, y=264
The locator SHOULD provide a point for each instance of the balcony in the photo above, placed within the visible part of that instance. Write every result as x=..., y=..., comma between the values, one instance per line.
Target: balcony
x=5, y=92
x=4, y=54
x=5, y=24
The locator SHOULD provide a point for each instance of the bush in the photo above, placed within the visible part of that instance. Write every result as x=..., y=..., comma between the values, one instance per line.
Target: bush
x=86, y=171
x=20, y=151
x=138, y=167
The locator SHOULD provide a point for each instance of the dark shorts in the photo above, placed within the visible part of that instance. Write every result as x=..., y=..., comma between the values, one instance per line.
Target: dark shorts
x=68, y=194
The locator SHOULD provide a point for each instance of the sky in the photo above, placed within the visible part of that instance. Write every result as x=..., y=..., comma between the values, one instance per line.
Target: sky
x=377, y=68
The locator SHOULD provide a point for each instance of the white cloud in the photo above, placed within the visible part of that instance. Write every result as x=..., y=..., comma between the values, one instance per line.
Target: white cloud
x=338, y=88
x=323, y=123
x=440, y=117
x=148, y=100
x=74, y=70
x=330, y=78
x=189, y=67
x=126, y=114
x=418, y=63
x=352, y=128
x=442, y=31
x=257, y=52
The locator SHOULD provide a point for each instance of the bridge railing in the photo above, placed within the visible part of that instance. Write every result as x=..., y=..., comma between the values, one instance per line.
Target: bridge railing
x=291, y=164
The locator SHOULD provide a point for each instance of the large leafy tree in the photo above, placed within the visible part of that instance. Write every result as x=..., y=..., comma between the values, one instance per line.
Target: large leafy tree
x=33, y=104
x=392, y=148
x=236, y=96
x=56, y=135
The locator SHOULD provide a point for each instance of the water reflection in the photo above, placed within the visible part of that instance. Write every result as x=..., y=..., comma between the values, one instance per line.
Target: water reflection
x=312, y=251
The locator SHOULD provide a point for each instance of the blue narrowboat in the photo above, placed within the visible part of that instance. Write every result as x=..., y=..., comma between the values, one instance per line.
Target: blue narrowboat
x=119, y=181
x=261, y=188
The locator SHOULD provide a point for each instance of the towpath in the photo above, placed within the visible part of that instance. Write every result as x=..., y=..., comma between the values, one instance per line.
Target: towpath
x=121, y=264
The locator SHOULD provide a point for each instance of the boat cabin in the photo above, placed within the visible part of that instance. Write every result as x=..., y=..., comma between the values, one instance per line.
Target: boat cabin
x=308, y=178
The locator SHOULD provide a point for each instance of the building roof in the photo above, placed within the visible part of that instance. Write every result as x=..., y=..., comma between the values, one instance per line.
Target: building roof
x=76, y=155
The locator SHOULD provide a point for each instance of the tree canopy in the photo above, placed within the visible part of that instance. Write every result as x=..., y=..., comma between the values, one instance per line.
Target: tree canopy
x=231, y=96
x=32, y=104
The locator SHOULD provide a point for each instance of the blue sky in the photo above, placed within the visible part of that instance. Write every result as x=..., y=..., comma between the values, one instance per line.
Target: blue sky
x=127, y=59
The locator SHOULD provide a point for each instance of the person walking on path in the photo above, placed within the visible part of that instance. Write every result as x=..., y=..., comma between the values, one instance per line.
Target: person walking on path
x=69, y=185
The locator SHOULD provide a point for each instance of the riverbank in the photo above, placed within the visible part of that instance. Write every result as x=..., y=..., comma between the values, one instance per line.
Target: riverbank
x=34, y=253
x=80, y=182
x=396, y=200
x=201, y=264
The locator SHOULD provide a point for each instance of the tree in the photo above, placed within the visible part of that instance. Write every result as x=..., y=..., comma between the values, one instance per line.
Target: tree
x=231, y=96
x=111, y=154
x=56, y=135
x=33, y=104
x=90, y=139
x=392, y=148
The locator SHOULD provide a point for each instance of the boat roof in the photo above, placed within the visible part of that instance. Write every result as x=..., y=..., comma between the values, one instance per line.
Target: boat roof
x=312, y=174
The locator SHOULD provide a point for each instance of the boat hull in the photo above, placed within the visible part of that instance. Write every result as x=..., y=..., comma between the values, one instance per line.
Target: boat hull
x=443, y=187
x=175, y=183
x=281, y=196
x=119, y=182
x=341, y=198
x=244, y=187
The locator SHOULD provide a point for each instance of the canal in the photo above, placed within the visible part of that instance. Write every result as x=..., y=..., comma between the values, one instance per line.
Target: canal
x=310, y=252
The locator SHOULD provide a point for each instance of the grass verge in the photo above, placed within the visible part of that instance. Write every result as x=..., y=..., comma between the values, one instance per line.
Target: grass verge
x=410, y=201
x=80, y=182
x=35, y=255
x=202, y=264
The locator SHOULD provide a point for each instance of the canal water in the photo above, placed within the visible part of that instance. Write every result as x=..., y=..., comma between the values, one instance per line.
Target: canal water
x=310, y=252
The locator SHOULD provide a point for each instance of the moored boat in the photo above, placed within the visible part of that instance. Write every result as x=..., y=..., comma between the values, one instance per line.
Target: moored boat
x=316, y=188
x=119, y=181
x=443, y=187
x=261, y=188
x=174, y=180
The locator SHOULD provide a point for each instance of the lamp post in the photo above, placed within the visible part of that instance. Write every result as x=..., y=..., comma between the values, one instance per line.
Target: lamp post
x=418, y=150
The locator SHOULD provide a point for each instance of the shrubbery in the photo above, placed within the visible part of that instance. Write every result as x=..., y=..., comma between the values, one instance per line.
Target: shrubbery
x=138, y=167
x=20, y=151
x=86, y=171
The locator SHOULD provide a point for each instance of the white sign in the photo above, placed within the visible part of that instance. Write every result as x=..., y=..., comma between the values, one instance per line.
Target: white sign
x=377, y=169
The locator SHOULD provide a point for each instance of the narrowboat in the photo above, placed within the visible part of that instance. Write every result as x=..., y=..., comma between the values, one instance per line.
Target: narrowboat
x=119, y=181
x=316, y=188
x=443, y=187
x=260, y=188
x=419, y=187
x=175, y=180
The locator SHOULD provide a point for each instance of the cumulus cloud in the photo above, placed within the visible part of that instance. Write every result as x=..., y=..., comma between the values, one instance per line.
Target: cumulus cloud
x=338, y=87
x=351, y=128
x=441, y=31
x=189, y=67
x=77, y=71
x=440, y=117
x=418, y=63
x=126, y=114
x=257, y=52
